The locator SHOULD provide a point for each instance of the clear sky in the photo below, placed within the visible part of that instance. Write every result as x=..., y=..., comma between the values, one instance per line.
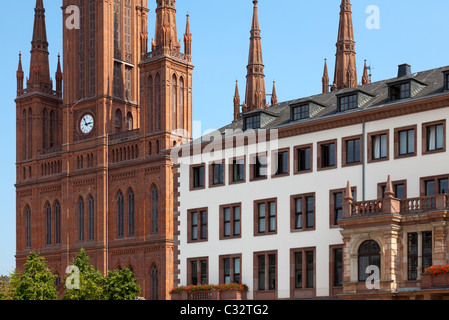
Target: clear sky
x=297, y=36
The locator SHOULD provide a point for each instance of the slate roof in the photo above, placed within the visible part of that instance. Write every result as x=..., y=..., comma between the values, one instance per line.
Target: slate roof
x=428, y=83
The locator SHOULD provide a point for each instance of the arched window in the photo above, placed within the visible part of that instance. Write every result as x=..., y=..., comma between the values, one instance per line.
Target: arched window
x=51, y=137
x=28, y=227
x=369, y=255
x=91, y=219
x=181, y=124
x=174, y=86
x=48, y=223
x=24, y=132
x=44, y=129
x=158, y=101
x=154, y=210
x=150, y=104
x=120, y=216
x=131, y=213
x=30, y=133
x=129, y=122
x=81, y=220
x=57, y=223
x=118, y=121
x=154, y=283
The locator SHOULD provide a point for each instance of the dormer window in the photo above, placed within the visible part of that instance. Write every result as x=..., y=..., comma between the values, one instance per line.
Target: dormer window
x=400, y=91
x=300, y=112
x=348, y=102
x=446, y=80
x=252, y=122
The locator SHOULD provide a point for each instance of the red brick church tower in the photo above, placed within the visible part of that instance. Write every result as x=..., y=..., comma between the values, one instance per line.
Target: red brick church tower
x=90, y=171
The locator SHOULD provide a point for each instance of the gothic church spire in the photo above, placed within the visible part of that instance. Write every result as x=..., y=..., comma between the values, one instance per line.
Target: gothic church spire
x=255, y=79
x=345, y=64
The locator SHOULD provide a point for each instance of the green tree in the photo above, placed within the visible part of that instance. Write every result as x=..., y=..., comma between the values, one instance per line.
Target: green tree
x=36, y=282
x=121, y=285
x=90, y=280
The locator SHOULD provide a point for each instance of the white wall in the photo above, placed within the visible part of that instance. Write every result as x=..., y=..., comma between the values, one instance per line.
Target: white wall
x=321, y=183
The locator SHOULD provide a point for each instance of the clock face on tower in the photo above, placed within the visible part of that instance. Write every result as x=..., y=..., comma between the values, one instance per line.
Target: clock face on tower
x=86, y=124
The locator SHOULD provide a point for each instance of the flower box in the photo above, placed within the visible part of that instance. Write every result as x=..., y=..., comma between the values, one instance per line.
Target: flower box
x=436, y=277
x=210, y=292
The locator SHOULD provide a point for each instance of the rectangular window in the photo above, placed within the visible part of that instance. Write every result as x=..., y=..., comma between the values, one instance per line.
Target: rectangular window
x=400, y=189
x=304, y=159
x=303, y=212
x=198, y=177
x=407, y=142
x=259, y=167
x=303, y=262
x=198, y=225
x=379, y=147
x=197, y=271
x=431, y=186
x=252, y=122
x=443, y=186
x=266, y=264
x=400, y=91
x=281, y=163
x=300, y=113
x=412, y=256
x=238, y=170
x=328, y=155
x=230, y=221
x=217, y=171
x=353, y=151
x=230, y=269
x=265, y=217
x=338, y=267
x=435, y=137
x=348, y=103
x=336, y=205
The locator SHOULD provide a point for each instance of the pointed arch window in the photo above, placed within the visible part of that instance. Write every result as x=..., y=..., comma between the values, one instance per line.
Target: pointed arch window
x=131, y=213
x=44, y=128
x=48, y=223
x=91, y=218
x=24, y=132
x=51, y=137
x=120, y=215
x=181, y=124
x=118, y=121
x=28, y=227
x=158, y=101
x=81, y=220
x=154, y=283
x=150, y=104
x=174, y=101
x=154, y=210
x=30, y=133
x=57, y=223
x=129, y=122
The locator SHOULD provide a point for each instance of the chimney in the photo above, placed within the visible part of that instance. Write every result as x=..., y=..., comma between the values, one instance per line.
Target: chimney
x=404, y=70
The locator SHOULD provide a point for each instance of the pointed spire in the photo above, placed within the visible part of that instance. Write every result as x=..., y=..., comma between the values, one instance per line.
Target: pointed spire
x=345, y=64
x=39, y=65
x=274, y=97
x=20, y=75
x=188, y=38
x=255, y=85
x=365, y=79
x=325, y=79
x=58, y=75
x=389, y=190
x=236, y=101
x=348, y=192
x=166, y=31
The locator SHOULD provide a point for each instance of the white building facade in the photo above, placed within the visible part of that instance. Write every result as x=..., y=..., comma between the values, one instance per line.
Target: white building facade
x=276, y=227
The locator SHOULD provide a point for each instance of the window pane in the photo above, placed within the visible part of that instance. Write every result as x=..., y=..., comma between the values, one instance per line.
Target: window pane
x=261, y=279
x=227, y=222
x=357, y=150
x=203, y=272
x=439, y=137
x=272, y=216
x=338, y=207
x=412, y=256
x=237, y=270
x=298, y=213
x=430, y=188
x=309, y=264
x=400, y=191
x=411, y=141
x=310, y=211
x=194, y=273
x=444, y=186
x=203, y=225
x=236, y=221
x=384, y=146
x=403, y=142
x=272, y=272
x=261, y=217
x=350, y=151
x=332, y=155
x=338, y=267
x=298, y=270
x=227, y=271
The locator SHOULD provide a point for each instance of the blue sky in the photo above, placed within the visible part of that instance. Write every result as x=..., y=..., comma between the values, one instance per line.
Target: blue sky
x=297, y=36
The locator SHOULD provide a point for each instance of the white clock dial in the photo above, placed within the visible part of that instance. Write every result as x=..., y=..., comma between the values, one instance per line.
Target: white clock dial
x=87, y=124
